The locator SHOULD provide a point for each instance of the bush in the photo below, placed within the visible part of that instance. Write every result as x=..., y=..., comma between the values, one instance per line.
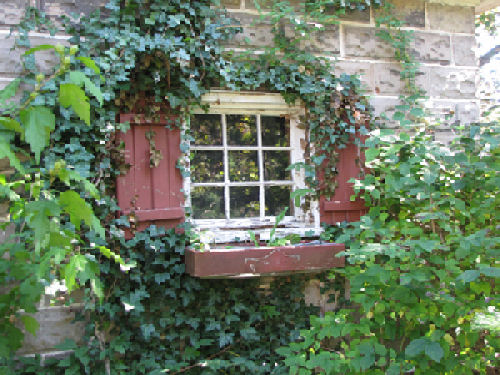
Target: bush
x=422, y=265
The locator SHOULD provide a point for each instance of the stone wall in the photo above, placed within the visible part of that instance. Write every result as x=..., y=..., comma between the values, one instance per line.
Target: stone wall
x=444, y=43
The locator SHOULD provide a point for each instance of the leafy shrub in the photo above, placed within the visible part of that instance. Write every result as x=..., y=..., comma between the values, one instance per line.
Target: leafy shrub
x=422, y=263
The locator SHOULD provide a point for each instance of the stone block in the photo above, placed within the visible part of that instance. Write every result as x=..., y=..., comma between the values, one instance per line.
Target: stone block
x=326, y=40
x=444, y=137
x=11, y=11
x=452, y=83
x=363, y=42
x=384, y=109
x=10, y=63
x=464, y=50
x=230, y=4
x=56, y=324
x=363, y=69
x=255, y=32
x=412, y=12
x=313, y=296
x=56, y=8
x=454, y=19
x=387, y=79
x=431, y=47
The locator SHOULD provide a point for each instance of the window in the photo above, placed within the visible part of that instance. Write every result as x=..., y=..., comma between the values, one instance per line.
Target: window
x=239, y=157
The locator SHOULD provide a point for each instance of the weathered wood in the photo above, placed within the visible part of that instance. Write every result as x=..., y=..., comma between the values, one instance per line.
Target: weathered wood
x=257, y=261
x=152, y=194
x=340, y=207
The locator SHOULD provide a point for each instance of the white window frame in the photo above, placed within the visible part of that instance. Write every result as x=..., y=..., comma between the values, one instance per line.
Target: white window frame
x=303, y=223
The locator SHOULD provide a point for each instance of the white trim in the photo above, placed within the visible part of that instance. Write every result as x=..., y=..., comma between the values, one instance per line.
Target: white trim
x=240, y=148
x=255, y=103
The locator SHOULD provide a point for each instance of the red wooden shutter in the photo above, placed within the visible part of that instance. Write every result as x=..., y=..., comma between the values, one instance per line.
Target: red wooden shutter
x=152, y=194
x=340, y=207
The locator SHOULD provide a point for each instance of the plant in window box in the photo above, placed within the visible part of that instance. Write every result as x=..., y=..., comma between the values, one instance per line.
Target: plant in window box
x=279, y=255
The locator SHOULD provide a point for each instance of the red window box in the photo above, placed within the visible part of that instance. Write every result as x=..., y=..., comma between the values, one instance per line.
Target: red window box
x=249, y=261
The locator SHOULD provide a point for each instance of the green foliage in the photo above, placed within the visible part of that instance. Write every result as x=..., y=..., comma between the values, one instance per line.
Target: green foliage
x=422, y=263
x=45, y=216
x=158, y=318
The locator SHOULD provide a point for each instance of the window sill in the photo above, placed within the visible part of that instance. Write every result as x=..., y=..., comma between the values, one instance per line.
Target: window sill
x=247, y=261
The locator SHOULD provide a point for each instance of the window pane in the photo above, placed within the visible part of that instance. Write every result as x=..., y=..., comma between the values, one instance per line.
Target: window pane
x=243, y=166
x=277, y=198
x=275, y=164
x=275, y=131
x=206, y=129
x=241, y=130
x=244, y=201
x=206, y=166
x=207, y=202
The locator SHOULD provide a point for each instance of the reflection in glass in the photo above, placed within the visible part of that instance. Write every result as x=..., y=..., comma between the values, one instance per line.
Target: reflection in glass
x=244, y=201
x=241, y=130
x=275, y=165
x=277, y=198
x=243, y=166
x=206, y=166
x=206, y=129
x=275, y=131
x=207, y=202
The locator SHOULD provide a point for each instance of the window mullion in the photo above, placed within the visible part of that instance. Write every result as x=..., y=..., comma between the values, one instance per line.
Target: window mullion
x=260, y=157
x=226, y=168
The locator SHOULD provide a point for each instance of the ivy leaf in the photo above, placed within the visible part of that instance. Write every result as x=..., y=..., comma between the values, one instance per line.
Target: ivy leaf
x=96, y=285
x=38, y=123
x=147, y=330
x=72, y=95
x=417, y=112
x=38, y=214
x=367, y=355
x=11, y=124
x=469, y=275
x=30, y=323
x=89, y=63
x=490, y=271
x=80, y=79
x=371, y=154
x=10, y=90
x=415, y=347
x=6, y=152
x=76, y=265
x=434, y=351
x=79, y=211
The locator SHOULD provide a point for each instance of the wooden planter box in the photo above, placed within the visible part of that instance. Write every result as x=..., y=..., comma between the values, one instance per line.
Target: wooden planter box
x=258, y=261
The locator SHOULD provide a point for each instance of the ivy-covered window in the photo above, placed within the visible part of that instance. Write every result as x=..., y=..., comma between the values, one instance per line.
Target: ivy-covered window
x=240, y=157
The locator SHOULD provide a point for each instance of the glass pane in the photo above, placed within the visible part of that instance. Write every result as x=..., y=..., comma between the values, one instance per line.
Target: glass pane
x=275, y=164
x=243, y=166
x=277, y=198
x=206, y=166
x=241, y=130
x=275, y=131
x=207, y=202
x=244, y=201
x=206, y=129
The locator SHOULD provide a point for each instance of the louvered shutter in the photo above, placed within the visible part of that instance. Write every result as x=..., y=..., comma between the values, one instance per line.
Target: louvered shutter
x=152, y=194
x=340, y=207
